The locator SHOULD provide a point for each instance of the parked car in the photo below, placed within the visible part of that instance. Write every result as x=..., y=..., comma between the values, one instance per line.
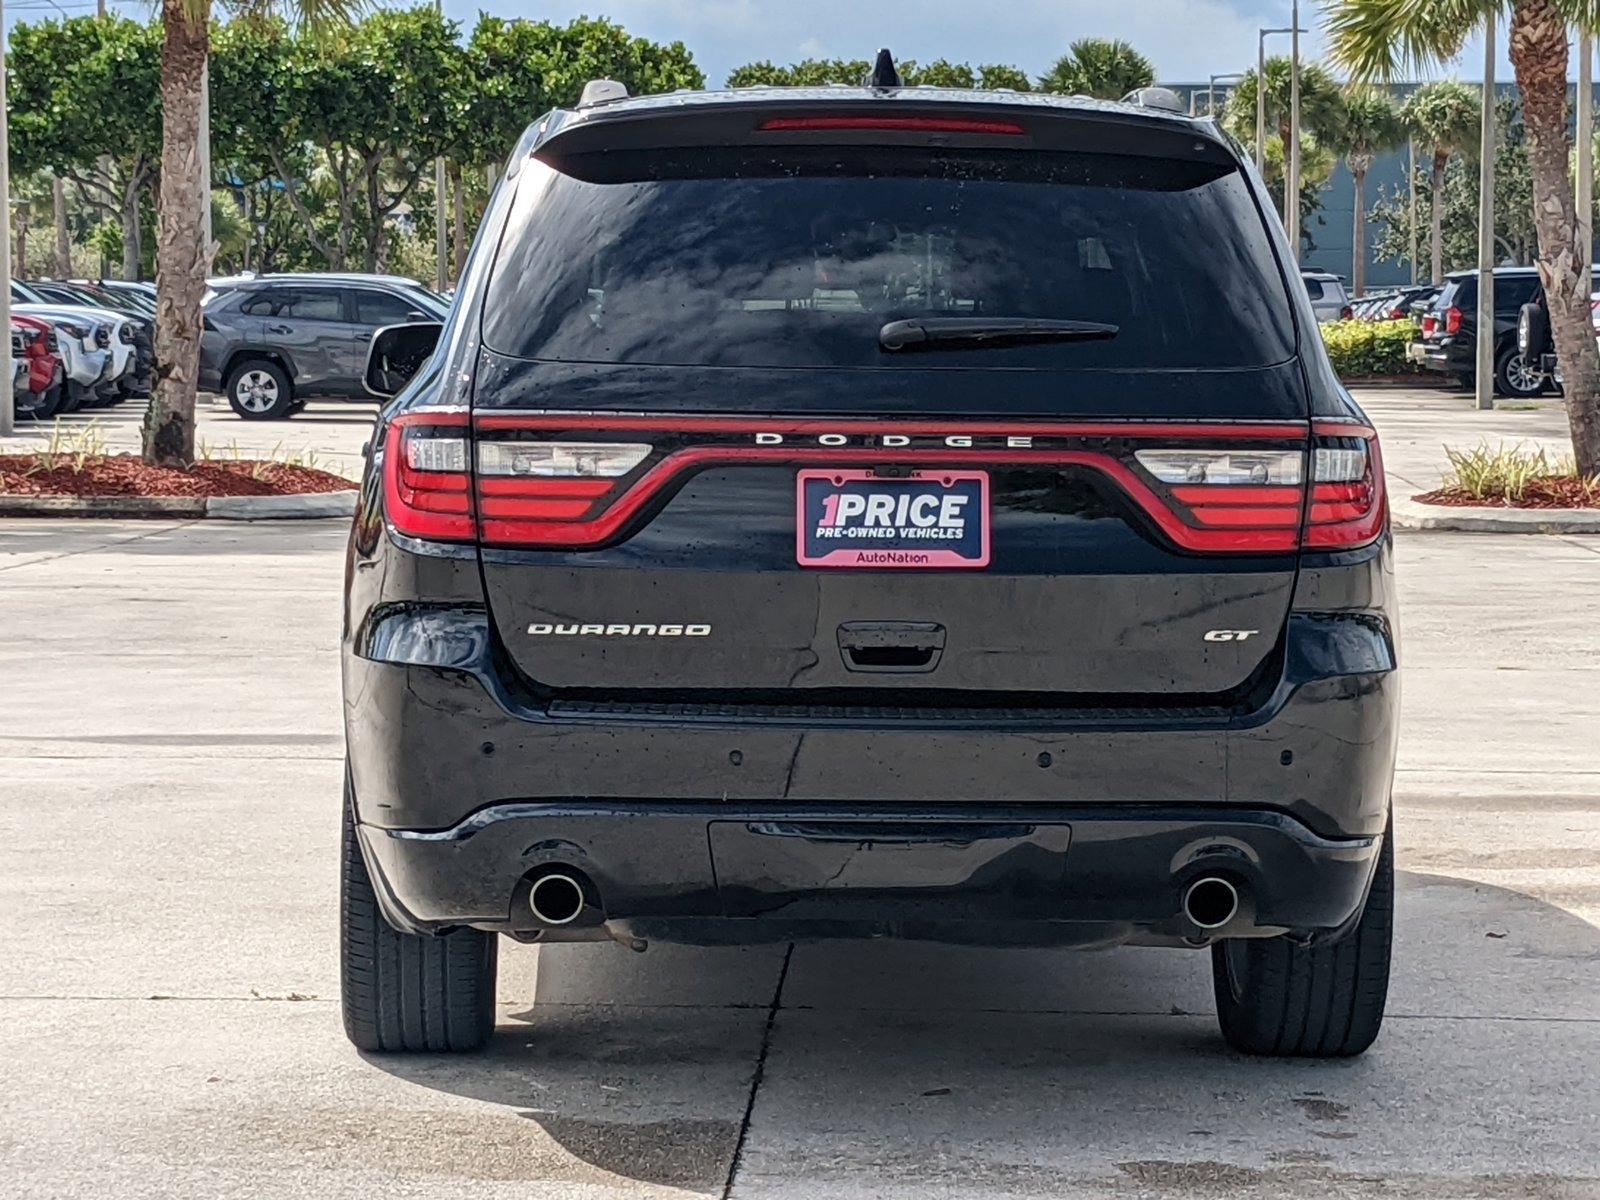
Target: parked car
x=1329, y=300
x=828, y=568
x=84, y=341
x=40, y=382
x=273, y=341
x=135, y=378
x=1450, y=332
x=1534, y=339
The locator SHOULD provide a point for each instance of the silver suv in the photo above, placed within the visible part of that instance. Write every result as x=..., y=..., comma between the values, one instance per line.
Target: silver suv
x=274, y=341
x=1329, y=300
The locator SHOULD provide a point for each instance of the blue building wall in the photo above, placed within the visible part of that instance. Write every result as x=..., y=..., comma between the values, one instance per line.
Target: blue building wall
x=1332, y=230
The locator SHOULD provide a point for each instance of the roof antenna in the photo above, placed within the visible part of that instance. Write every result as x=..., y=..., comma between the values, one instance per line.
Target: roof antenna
x=884, y=74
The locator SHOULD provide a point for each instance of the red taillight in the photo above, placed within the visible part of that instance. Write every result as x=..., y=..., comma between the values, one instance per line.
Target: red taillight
x=1235, y=499
x=427, y=488
x=892, y=124
x=1347, y=313
x=545, y=480
x=1348, y=503
x=1452, y=319
x=1430, y=324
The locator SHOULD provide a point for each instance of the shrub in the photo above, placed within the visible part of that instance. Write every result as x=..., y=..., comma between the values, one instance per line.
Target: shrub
x=1360, y=348
x=1516, y=476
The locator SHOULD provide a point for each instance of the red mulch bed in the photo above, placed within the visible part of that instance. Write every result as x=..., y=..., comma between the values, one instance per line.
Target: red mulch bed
x=1551, y=491
x=126, y=475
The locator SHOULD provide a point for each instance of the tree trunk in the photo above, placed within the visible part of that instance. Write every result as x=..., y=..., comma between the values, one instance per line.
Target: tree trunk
x=181, y=258
x=1358, y=235
x=58, y=197
x=459, y=245
x=1539, y=55
x=131, y=254
x=1441, y=158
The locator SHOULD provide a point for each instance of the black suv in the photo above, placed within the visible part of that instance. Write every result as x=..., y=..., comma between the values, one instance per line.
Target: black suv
x=1450, y=332
x=273, y=341
x=848, y=513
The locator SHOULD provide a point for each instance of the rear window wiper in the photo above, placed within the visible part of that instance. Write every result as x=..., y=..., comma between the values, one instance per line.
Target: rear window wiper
x=978, y=332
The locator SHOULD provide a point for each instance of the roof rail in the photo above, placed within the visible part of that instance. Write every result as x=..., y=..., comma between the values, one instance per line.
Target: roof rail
x=602, y=91
x=1162, y=98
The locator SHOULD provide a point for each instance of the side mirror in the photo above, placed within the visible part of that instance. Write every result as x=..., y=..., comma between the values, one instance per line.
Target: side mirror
x=398, y=352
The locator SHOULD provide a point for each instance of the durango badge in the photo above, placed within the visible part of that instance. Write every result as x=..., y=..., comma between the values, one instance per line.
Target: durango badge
x=922, y=519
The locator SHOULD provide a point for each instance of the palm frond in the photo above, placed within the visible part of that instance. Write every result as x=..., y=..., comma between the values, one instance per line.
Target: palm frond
x=1385, y=39
x=313, y=16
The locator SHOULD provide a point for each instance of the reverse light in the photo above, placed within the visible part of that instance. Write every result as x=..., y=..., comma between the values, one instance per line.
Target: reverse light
x=607, y=460
x=1222, y=466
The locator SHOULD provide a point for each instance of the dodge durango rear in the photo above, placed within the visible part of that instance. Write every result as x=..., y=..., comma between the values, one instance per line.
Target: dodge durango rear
x=871, y=512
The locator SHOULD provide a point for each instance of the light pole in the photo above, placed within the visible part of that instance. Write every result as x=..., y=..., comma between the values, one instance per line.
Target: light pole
x=440, y=273
x=1486, y=339
x=1411, y=187
x=1291, y=152
x=1211, y=89
x=7, y=397
x=1261, y=94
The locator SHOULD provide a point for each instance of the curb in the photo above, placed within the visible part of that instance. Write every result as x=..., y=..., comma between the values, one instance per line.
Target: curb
x=305, y=506
x=1408, y=514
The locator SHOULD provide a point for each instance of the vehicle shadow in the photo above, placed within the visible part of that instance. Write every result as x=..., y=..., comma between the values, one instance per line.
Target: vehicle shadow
x=910, y=1058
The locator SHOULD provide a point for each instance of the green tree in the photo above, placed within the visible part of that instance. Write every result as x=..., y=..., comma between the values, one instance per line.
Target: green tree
x=1321, y=107
x=1378, y=39
x=85, y=105
x=820, y=72
x=810, y=72
x=1514, y=237
x=1444, y=117
x=999, y=75
x=1371, y=126
x=1105, y=68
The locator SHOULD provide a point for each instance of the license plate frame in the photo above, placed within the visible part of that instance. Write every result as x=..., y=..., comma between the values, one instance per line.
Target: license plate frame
x=901, y=548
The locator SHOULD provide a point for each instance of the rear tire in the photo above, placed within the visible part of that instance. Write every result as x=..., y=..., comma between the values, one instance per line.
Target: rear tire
x=403, y=992
x=1513, y=377
x=259, y=390
x=1324, y=1001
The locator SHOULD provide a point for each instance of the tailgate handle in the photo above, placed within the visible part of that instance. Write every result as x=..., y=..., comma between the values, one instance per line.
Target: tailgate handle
x=903, y=646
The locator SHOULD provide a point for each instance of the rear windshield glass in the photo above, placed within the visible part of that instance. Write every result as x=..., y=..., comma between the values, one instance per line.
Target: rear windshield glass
x=797, y=257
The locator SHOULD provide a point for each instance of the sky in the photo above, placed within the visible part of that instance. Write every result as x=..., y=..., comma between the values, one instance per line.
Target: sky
x=1188, y=40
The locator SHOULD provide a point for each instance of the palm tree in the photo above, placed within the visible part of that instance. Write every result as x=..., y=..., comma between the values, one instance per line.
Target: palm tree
x=1380, y=38
x=1444, y=116
x=1371, y=126
x=1105, y=68
x=1321, y=109
x=182, y=260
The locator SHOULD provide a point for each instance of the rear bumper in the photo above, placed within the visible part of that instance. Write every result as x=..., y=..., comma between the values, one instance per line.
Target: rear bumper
x=723, y=826
x=712, y=873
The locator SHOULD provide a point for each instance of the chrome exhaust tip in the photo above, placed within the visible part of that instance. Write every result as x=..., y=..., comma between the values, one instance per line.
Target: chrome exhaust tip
x=1211, y=902
x=556, y=899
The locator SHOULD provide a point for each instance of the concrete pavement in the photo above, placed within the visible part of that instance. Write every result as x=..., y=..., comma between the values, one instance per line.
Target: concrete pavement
x=168, y=1026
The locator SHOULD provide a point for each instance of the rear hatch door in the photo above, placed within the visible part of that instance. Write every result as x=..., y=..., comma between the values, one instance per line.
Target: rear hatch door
x=978, y=420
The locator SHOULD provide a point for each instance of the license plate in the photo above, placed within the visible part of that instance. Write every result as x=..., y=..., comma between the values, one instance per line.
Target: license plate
x=924, y=519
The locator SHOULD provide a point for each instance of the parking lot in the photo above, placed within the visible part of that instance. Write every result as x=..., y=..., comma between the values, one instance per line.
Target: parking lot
x=168, y=860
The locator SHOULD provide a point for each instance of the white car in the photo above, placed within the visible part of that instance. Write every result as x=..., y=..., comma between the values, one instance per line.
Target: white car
x=1329, y=300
